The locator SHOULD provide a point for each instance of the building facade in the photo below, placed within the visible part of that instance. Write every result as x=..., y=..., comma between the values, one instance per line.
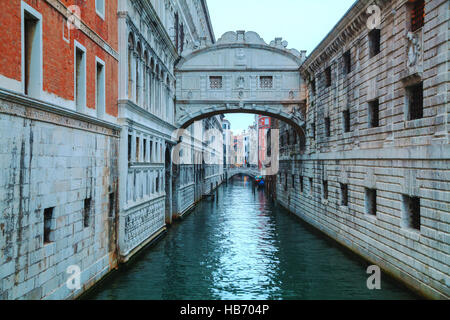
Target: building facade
x=373, y=173
x=60, y=146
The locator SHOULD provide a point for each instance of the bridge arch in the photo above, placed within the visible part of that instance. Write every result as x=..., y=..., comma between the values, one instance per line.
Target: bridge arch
x=241, y=73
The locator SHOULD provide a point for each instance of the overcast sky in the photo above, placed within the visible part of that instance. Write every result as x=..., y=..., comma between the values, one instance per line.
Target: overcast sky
x=303, y=23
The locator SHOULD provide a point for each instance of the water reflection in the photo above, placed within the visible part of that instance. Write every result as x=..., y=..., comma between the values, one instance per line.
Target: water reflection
x=244, y=247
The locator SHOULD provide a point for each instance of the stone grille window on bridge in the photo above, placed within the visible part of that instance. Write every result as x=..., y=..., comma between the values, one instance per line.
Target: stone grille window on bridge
x=417, y=14
x=215, y=82
x=266, y=82
x=414, y=96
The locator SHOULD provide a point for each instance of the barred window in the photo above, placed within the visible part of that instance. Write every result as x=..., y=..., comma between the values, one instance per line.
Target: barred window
x=328, y=77
x=266, y=82
x=215, y=82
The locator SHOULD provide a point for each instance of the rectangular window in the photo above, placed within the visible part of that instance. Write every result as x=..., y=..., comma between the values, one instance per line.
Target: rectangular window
x=374, y=42
x=215, y=82
x=100, y=88
x=347, y=62
x=293, y=181
x=145, y=149
x=301, y=184
x=411, y=213
x=266, y=82
x=129, y=147
x=311, y=186
x=344, y=195
x=80, y=78
x=414, y=96
x=100, y=8
x=313, y=129
x=138, y=159
x=327, y=127
x=371, y=202
x=285, y=182
x=325, y=189
x=417, y=15
x=346, y=120
x=112, y=205
x=32, y=51
x=328, y=77
x=151, y=150
x=374, y=114
x=48, y=230
x=313, y=86
x=87, y=212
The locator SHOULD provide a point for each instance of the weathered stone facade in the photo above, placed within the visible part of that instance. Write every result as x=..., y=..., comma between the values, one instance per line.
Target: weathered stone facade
x=51, y=163
x=59, y=148
x=375, y=176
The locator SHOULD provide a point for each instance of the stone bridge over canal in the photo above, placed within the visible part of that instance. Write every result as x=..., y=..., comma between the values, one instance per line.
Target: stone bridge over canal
x=241, y=73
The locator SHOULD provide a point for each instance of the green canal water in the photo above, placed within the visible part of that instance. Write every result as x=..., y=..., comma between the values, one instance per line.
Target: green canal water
x=243, y=247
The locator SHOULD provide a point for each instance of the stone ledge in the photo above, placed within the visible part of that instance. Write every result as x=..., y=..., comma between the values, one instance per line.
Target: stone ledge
x=39, y=110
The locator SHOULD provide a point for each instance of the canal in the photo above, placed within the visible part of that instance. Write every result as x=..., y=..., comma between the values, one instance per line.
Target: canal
x=244, y=247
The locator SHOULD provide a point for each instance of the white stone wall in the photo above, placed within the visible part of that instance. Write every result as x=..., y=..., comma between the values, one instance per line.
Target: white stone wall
x=52, y=161
x=399, y=158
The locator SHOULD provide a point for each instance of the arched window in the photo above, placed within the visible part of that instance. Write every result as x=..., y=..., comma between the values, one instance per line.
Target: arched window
x=130, y=65
x=146, y=76
x=152, y=85
x=138, y=75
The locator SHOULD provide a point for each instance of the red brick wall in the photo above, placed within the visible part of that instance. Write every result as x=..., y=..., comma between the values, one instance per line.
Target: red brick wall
x=58, y=55
x=10, y=41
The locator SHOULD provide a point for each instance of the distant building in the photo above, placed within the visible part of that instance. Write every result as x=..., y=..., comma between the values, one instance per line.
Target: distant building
x=264, y=125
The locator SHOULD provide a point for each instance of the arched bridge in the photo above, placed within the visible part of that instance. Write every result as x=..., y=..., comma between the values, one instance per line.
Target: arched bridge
x=241, y=73
x=251, y=172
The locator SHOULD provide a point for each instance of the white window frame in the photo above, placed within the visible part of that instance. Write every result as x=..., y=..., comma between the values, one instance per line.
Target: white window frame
x=100, y=111
x=25, y=8
x=77, y=45
x=99, y=13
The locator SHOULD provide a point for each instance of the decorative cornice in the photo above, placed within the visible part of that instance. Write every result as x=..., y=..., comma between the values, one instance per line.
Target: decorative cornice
x=348, y=27
x=136, y=109
x=29, y=108
x=156, y=22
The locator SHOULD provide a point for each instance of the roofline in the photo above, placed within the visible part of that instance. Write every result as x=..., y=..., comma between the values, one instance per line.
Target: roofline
x=208, y=21
x=353, y=11
x=215, y=47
